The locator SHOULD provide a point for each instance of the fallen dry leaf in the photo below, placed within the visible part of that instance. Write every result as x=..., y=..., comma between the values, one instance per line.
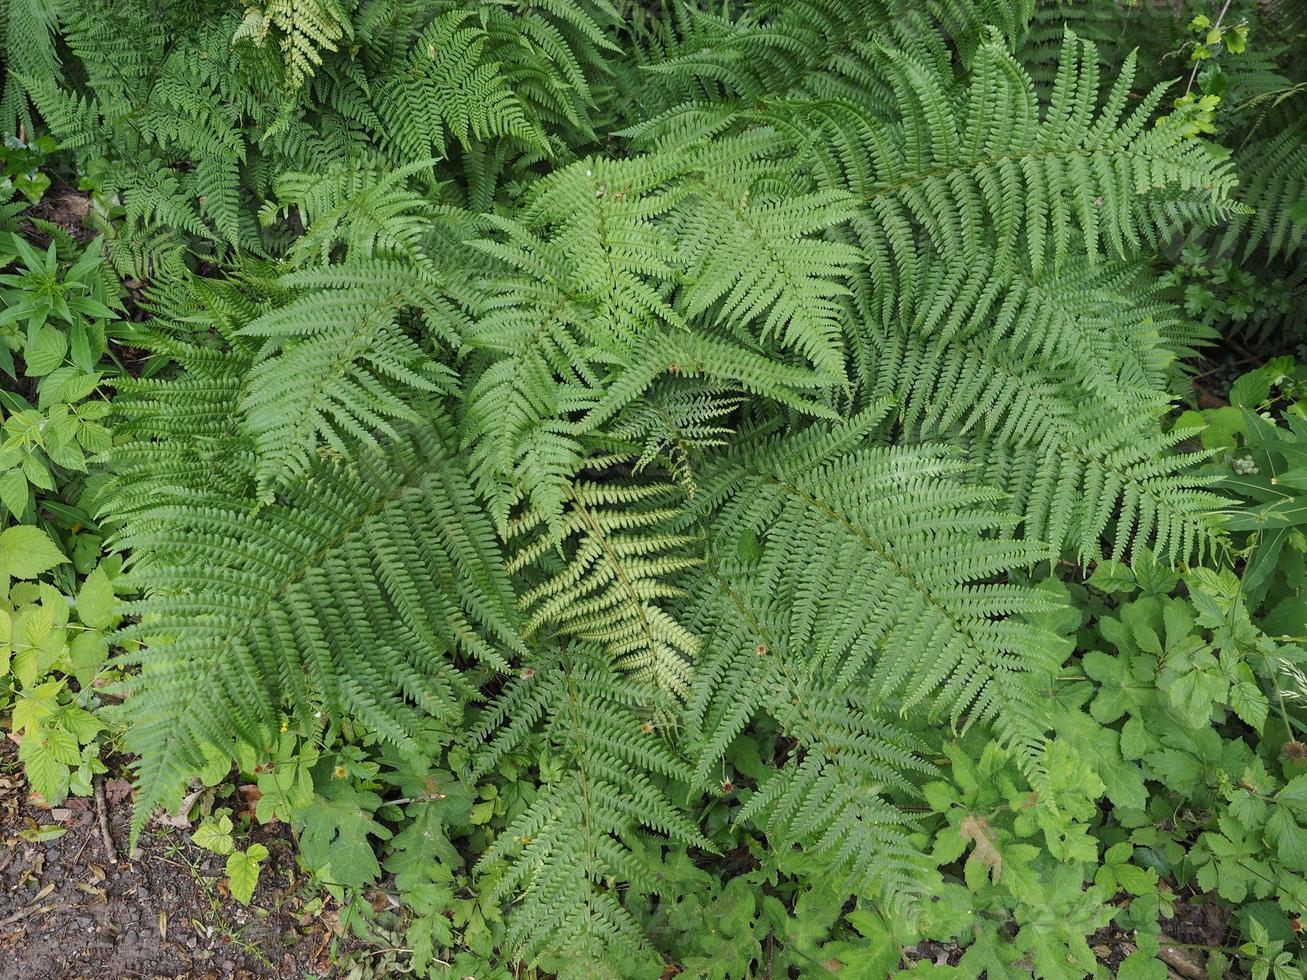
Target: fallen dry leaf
x=182, y=818
x=252, y=795
x=976, y=830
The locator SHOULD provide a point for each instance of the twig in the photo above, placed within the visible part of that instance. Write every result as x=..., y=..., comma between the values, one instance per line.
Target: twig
x=1194, y=74
x=28, y=910
x=86, y=840
x=103, y=814
x=1180, y=960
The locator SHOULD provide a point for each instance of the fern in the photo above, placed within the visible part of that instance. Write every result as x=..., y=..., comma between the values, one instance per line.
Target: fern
x=264, y=623
x=305, y=29
x=27, y=39
x=613, y=587
x=333, y=359
x=613, y=390
x=563, y=851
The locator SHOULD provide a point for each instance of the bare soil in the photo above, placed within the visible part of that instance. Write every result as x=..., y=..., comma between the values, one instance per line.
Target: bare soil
x=161, y=912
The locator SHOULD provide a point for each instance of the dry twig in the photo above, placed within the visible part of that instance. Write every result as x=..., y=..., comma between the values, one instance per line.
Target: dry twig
x=103, y=814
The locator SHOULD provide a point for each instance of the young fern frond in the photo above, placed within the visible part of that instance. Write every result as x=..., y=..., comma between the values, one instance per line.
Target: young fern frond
x=607, y=573
x=304, y=30
x=563, y=327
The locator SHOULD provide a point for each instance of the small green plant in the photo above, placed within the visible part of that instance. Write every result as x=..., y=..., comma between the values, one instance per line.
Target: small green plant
x=21, y=165
x=215, y=833
x=53, y=342
x=43, y=651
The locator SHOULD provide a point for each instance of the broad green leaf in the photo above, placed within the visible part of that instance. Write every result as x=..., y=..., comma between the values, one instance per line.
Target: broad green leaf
x=334, y=839
x=1113, y=576
x=214, y=834
x=46, y=756
x=47, y=351
x=95, y=601
x=1289, y=838
x=26, y=552
x=243, y=871
x=87, y=652
x=13, y=491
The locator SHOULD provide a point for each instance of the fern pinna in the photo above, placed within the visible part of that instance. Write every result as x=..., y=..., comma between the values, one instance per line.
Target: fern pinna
x=611, y=387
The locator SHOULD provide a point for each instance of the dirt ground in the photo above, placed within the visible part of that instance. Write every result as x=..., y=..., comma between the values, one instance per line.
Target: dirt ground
x=66, y=911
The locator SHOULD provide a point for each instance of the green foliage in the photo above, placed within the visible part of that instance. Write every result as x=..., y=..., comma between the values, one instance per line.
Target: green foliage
x=55, y=634
x=21, y=168
x=679, y=488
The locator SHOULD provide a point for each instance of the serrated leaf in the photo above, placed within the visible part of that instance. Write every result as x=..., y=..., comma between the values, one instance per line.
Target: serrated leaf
x=1113, y=576
x=243, y=871
x=46, y=352
x=1289, y=838
x=334, y=837
x=214, y=834
x=13, y=491
x=1249, y=703
x=95, y=601
x=26, y=552
x=87, y=653
x=46, y=756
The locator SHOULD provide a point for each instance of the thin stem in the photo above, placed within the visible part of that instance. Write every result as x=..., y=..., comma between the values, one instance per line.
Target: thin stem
x=1194, y=74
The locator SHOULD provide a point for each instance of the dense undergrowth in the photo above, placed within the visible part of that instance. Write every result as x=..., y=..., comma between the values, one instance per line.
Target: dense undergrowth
x=747, y=490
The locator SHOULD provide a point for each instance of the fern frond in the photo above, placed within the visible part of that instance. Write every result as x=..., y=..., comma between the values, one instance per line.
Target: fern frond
x=450, y=85
x=854, y=554
x=304, y=29
x=245, y=610
x=27, y=41
x=339, y=365
x=568, y=315
x=563, y=853
x=1080, y=176
x=1273, y=182
x=369, y=213
x=1107, y=479
x=758, y=257
x=607, y=570
x=840, y=566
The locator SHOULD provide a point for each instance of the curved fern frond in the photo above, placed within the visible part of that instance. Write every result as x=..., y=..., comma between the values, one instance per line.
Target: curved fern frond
x=244, y=610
